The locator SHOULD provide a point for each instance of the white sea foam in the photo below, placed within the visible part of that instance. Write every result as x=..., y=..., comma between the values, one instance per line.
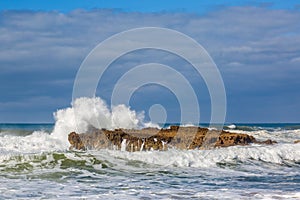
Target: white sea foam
x=87, y=112
x=147, y=174
x=83, y=114
x=37, y=142
x=285, y=136
x=232, y=126
x=123, y=145
x=41, y=160
x=94, y=112
x=188, y=125
x=277, y=154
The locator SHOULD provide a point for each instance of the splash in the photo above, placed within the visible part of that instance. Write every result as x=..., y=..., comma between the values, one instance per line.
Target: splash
x=83, y=114
x=94, y=112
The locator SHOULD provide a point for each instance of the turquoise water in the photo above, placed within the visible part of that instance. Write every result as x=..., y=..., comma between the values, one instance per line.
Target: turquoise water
x=36, y=165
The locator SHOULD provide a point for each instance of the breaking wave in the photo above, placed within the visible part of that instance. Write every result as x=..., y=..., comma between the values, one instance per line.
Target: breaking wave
x=83, y=114
x=94, y=112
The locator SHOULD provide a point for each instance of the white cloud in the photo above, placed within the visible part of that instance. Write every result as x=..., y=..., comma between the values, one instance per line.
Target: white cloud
x=295, y=60
x=245, y=43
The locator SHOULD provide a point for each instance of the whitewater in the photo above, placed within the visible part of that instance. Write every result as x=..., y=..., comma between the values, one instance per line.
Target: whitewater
x=36, y=163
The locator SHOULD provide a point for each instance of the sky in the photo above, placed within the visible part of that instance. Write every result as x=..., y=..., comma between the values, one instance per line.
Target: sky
x=255, y=45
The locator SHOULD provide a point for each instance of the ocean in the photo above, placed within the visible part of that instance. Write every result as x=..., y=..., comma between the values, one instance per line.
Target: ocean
x=36, y=163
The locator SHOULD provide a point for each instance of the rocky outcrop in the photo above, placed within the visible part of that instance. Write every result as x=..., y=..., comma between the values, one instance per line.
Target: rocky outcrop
x=159, y=139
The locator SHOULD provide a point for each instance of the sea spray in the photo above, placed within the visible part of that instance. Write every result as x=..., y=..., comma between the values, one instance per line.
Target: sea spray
x=123, y=145
x=83, y=114
x=94, y=112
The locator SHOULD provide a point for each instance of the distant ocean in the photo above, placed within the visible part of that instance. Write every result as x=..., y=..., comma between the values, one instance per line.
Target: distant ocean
x=36, y=165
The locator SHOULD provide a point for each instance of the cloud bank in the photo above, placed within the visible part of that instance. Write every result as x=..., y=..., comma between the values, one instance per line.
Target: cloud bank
x=256, y=49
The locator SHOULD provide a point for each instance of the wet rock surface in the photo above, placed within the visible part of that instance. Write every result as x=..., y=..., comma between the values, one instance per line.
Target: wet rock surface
x=159, y=139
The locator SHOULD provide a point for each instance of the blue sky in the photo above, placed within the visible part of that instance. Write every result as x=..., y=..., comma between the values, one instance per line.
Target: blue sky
x=255, y=44
x=198, y=6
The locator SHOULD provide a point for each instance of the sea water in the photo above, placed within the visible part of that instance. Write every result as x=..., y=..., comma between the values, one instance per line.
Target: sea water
x=35, y=163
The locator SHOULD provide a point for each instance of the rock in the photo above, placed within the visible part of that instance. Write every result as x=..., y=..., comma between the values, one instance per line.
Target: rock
x=159, y=139
x=231, y=139
x=75, y=141
x=268, y=142
x=296, y=141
